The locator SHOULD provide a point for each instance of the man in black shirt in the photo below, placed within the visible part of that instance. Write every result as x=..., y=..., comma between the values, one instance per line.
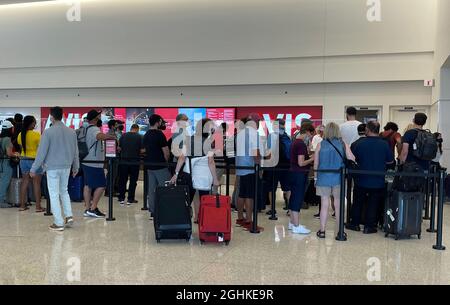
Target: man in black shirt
x=157, y=150
x=130, y=147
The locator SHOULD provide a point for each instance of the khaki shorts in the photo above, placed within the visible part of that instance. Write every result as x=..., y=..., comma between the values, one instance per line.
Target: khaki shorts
x=328, y=191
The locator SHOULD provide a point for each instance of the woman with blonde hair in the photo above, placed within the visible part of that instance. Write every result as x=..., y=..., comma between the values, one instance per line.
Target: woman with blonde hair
x=330, y=155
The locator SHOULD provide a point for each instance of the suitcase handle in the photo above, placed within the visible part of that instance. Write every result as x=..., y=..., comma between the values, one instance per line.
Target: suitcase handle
x=217, y=201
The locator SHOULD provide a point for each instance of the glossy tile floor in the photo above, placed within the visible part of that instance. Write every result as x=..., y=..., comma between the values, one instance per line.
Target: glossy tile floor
x=125, y=252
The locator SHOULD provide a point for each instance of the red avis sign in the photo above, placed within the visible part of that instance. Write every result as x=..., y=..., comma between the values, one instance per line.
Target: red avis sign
x=293, y=115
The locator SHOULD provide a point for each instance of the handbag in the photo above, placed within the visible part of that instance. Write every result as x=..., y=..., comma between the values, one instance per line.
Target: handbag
x=350, y=164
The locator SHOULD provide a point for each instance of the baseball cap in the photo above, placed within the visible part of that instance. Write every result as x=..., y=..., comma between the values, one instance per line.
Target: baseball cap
x=7, y=125
x=93, y=114
x=155, y=118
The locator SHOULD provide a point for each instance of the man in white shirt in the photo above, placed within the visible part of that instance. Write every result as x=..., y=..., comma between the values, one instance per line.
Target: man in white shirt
x=349, y=129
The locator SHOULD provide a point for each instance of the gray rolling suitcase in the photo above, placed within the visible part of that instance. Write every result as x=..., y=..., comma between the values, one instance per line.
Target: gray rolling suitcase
x=14, y=190
x=403, y=217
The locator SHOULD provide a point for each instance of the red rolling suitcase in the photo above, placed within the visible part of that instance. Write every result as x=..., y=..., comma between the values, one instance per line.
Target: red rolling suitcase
x=214, y=223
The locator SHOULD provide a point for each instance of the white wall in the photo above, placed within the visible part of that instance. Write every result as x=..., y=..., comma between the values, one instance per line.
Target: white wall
x=214, y=42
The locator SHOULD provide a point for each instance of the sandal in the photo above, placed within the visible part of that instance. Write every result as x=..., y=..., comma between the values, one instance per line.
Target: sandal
x=320, y=234
x=23, y=209
x=41, y=210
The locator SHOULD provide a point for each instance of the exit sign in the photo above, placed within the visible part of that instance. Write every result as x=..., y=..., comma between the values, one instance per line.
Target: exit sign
x=428, y=83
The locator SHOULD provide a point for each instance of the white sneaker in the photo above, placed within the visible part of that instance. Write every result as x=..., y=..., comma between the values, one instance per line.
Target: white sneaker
x=300, y=230
x=290, y=226
x=122, y=202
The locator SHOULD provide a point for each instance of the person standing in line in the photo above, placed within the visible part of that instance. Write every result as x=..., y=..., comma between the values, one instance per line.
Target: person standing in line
x=94, y=174
x=130, y=147
x=349, y=129
x=299, y=171
x=372, y=153
x=248, y=155
x=29, y=140
x=393, y=137
x=330, y=154
x=156, y=150
x=6, y=151
x=58, y=154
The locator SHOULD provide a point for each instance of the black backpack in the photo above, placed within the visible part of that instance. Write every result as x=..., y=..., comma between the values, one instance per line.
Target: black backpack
x=409, y=184
x=425, y=145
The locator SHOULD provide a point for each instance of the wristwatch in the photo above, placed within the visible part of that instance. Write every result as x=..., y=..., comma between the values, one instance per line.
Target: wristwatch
x=176, y=174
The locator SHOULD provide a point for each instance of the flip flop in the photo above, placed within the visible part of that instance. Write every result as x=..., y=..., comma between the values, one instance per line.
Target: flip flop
x=40, y=210
x=23, y=209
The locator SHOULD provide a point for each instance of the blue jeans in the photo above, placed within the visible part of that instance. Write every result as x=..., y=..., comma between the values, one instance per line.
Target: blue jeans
x=6, y=172
x=57, y=181
x=298, y=189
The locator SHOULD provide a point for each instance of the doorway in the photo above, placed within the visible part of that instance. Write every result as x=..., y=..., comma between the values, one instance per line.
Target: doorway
x=403, y=116
x=366, y=114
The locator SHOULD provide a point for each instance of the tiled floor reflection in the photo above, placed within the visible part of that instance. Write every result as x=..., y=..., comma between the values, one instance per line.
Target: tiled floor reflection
x=125, y=252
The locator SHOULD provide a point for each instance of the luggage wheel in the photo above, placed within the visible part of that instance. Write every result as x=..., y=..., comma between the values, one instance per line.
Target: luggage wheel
x=397, y=237
x=202, y=242
x=386, y=235
x=227, y=243
x=158, y=241
x=419, y=236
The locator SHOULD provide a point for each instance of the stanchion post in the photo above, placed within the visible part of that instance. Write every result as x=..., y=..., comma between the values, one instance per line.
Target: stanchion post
x=273, y=215
x=227, y=174
x=48, y=208
x=427, y=196
x=341, y=234
x=144, y=202
x=433, y=200
x=110, y=189
x=438, y=245
x=349, y=198
x=254, y=228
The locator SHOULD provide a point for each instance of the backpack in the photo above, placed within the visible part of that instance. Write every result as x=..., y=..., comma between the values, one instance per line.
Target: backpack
x=409, y=184
x=425, y=145
x=83, y=149
x=285, y=148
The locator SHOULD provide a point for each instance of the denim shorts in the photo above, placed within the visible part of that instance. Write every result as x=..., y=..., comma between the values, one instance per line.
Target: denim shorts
x=25, y=167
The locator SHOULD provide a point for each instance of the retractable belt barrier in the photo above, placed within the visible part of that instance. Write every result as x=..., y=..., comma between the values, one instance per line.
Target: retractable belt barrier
x=433, y=175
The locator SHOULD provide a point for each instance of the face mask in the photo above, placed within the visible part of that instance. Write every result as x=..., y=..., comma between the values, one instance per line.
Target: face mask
x=282, y=131
x=85, y=124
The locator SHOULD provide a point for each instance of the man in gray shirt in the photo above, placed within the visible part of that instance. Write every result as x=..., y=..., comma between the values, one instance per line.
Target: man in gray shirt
x=130, y=148
x=94, y=174
x=57, y=154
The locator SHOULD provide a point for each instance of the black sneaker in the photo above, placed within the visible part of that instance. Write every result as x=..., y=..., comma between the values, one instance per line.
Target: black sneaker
x=95, y=213
x=270, y=212
x=317, y=216
x=98, y=213
x=133, y=201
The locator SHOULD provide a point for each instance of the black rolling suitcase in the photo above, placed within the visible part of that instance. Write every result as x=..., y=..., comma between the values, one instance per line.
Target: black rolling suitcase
x=403, y=217
x=172, y=217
